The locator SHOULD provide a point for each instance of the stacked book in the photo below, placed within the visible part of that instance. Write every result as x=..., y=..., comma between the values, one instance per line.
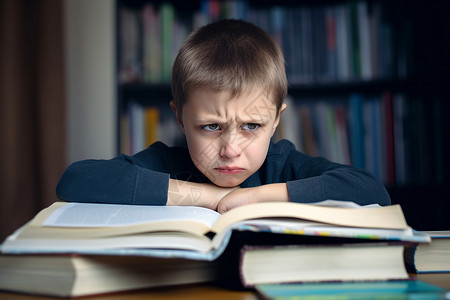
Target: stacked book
x=80, y=249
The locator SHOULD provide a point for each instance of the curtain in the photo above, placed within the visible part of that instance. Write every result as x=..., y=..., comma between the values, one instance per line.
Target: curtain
x=32, y=107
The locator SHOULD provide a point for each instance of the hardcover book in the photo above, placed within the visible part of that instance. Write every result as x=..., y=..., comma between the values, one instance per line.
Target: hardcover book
x=353, y=290
x=432, y=257
x=72, y=275
x=322, y=263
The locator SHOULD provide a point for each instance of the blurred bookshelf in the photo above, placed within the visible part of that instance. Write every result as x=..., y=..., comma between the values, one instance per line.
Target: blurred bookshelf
x=368, y=84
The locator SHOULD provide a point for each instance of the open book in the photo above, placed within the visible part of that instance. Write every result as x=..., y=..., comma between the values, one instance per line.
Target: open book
x=194, y=232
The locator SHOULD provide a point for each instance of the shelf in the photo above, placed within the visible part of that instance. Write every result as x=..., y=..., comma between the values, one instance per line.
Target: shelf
x=418, y=75
x=371, y=86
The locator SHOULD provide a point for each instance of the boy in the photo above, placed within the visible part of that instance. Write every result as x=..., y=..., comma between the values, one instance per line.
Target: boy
x=228, y=86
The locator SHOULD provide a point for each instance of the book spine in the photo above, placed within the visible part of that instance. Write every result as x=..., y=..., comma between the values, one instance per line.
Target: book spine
x=357, y=131
x=137, y=127
x=309, y=139
x=151, y=115
x=389, y=138
x=167, y=30
x=355, y=43
x=409, y=258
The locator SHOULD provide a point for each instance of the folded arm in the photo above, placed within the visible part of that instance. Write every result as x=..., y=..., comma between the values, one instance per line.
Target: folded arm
x=198, y=194
x=123, y=181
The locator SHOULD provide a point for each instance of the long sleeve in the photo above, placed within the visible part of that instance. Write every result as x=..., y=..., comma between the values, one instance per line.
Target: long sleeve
x=139, y=179
x=119, y=180
x=313, y=179
x=144, y=177
x=339, y=183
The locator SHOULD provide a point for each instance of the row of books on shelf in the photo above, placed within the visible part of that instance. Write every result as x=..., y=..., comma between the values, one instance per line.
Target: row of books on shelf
x=334, y=42
x=395, y=137
x=134, y=247
x=142, y=125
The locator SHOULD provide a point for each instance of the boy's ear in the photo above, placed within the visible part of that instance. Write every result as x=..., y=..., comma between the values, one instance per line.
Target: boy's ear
x=277, y=121
x=174, y=108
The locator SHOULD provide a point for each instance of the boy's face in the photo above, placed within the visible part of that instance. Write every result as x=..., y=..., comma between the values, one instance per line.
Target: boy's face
x=227, y=137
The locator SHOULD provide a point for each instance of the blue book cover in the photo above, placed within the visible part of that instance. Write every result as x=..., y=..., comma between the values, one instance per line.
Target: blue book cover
x=408, y=289
x=357, y=130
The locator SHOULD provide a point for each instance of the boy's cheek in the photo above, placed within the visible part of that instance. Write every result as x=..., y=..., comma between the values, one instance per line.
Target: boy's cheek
x=203, y=152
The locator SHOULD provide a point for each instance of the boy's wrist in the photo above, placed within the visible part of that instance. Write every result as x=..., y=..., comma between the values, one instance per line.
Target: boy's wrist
x=214, y=194
x=184, y=193
x=275, y=192
x=265, y=193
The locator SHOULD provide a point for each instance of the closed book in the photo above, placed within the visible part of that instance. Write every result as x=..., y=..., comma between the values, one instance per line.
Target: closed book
x=167, y=15
x=130, y=43
x=403, y=289
x=364, y=36
x=343, y=40
x=151, y=27
x=342, y=136
x=357, y=134
x=309, y=139
x=322, y=263
x=389, y=149
x=137, y=127
x=433, y=257
x=325, y=130
x=74, y=275
x=151, y=121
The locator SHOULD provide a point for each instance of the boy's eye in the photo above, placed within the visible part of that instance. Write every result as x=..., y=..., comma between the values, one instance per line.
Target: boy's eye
x=211, y=127
x=250, y=126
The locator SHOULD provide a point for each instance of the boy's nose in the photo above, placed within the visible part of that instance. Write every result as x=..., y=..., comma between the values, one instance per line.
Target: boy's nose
x=230, y=146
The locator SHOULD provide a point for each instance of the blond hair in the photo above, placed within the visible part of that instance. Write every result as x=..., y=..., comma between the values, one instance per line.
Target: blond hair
x=229, y=55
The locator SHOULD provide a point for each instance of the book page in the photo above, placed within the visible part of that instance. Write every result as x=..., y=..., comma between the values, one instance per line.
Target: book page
x=387, y=217
x=155, y=240
x=344, y=204
x=112, y=215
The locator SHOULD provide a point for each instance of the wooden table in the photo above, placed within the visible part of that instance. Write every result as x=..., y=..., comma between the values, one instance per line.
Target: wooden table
x=200, y=292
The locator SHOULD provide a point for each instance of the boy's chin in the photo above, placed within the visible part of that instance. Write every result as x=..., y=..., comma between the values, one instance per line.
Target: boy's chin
x=227, y=183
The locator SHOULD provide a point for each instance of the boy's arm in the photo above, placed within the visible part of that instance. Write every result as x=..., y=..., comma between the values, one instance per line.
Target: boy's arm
x=275, y=192
x=307, y=180
x=313, y=179
x=117, y=181
x=197, y=194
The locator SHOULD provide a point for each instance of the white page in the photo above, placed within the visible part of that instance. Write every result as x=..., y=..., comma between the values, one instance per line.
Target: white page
x=344, y=204
x=111, y=215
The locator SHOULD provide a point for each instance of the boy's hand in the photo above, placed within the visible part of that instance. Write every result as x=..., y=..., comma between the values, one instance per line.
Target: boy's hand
x=237, y=198
x=185, y=193
x=276, y=192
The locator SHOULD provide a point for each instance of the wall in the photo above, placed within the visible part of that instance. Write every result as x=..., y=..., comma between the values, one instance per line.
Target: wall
x=91, y=109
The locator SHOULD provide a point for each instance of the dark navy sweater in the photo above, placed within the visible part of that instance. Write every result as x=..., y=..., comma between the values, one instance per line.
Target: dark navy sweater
x=144, y=178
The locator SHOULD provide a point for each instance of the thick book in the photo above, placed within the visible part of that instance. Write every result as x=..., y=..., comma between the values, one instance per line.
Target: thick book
x=431, y=257
x=322, y=263
x=81, y=275
x=405, y=289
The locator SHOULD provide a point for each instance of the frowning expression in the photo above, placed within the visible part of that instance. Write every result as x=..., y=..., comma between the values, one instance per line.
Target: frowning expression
x=228, y=137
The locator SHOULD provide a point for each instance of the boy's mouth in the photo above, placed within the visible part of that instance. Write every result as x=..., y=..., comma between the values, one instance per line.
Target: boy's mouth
x=229, y=169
